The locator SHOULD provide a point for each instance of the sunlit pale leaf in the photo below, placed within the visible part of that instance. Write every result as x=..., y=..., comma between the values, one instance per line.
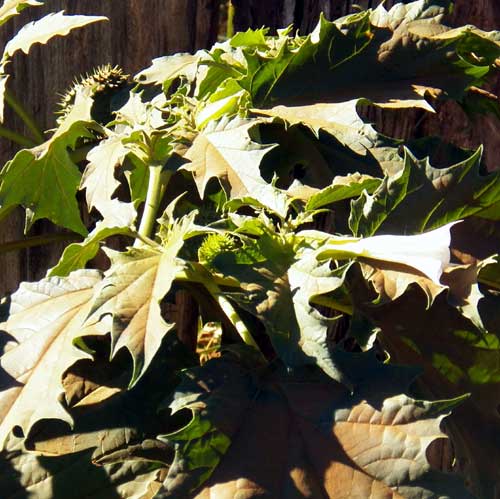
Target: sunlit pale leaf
x=167, y=68
x=229, y=154
x=41, y=31
x=303, y=434
x=11, y=8
x=131, y=293
x=98, y=179
x=339, y=119
x=3, y=84
x=45, y=318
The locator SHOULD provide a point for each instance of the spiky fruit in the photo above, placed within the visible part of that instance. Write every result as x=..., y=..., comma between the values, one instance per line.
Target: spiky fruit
x=213, y=245
x=105, y=82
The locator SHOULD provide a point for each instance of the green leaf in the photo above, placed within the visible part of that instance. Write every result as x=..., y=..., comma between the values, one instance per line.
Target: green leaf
x=44, y=320
x=272, y=435
x=250, y=38
x=365, y=56
x=278, y=282
x=11, y=8
x=76, y=255
x=342, y=188
x=42, y=30
x=420, y=197
x=45, y=179
x=227, y=153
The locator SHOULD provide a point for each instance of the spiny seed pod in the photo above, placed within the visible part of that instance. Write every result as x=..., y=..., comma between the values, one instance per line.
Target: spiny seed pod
x=213, y=245
x=104, y=82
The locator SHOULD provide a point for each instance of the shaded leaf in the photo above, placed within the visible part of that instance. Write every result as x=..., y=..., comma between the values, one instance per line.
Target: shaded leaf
x=457, y=358
x=420, y=197
x=73, y=475
x=278, y=436
x=365, y=56
x=278, y=282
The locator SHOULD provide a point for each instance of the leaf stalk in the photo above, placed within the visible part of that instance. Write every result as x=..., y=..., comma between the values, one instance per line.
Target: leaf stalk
x=25, y=116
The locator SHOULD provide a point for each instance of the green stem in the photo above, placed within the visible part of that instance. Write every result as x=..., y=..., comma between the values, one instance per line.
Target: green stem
x=157, y=184
x=30, y=242
x=16, y=137
x=199, y=274
x=230, y=20
x=27, y=118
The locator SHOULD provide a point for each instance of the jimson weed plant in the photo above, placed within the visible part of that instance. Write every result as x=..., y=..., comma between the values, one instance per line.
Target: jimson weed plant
x=343, y=284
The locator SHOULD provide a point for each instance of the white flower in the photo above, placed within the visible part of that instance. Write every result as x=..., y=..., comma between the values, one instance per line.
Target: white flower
x=428, y=253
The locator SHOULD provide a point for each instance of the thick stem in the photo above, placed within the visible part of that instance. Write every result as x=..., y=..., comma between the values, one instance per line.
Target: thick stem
x=27, y=118
x=16, y=137
x=157, y=184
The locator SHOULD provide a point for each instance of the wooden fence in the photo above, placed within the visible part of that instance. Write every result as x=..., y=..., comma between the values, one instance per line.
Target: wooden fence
x=139, y=30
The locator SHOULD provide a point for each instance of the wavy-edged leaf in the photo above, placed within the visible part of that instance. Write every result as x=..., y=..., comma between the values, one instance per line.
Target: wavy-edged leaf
x=131, y=292
x=42, y=30
x=341, y=188
x=420, y=197
x=11, y=8
x=164, y=70
x=45, y=179
x=365, y=56
x=73, y=475
x=229, y=154
x=98, y=179
x=45, y=317
x=305, y=436
x=340, y=119
x=76, y=255
x=278, y=284
x=457, y=358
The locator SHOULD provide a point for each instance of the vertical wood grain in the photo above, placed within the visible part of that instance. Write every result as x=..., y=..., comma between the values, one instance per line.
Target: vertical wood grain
x=137, y=31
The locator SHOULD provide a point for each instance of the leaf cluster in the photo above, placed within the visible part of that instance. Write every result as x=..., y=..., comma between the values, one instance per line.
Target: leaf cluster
x=329, y=273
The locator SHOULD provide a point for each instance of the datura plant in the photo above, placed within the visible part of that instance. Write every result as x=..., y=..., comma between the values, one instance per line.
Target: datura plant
x=292, y=303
